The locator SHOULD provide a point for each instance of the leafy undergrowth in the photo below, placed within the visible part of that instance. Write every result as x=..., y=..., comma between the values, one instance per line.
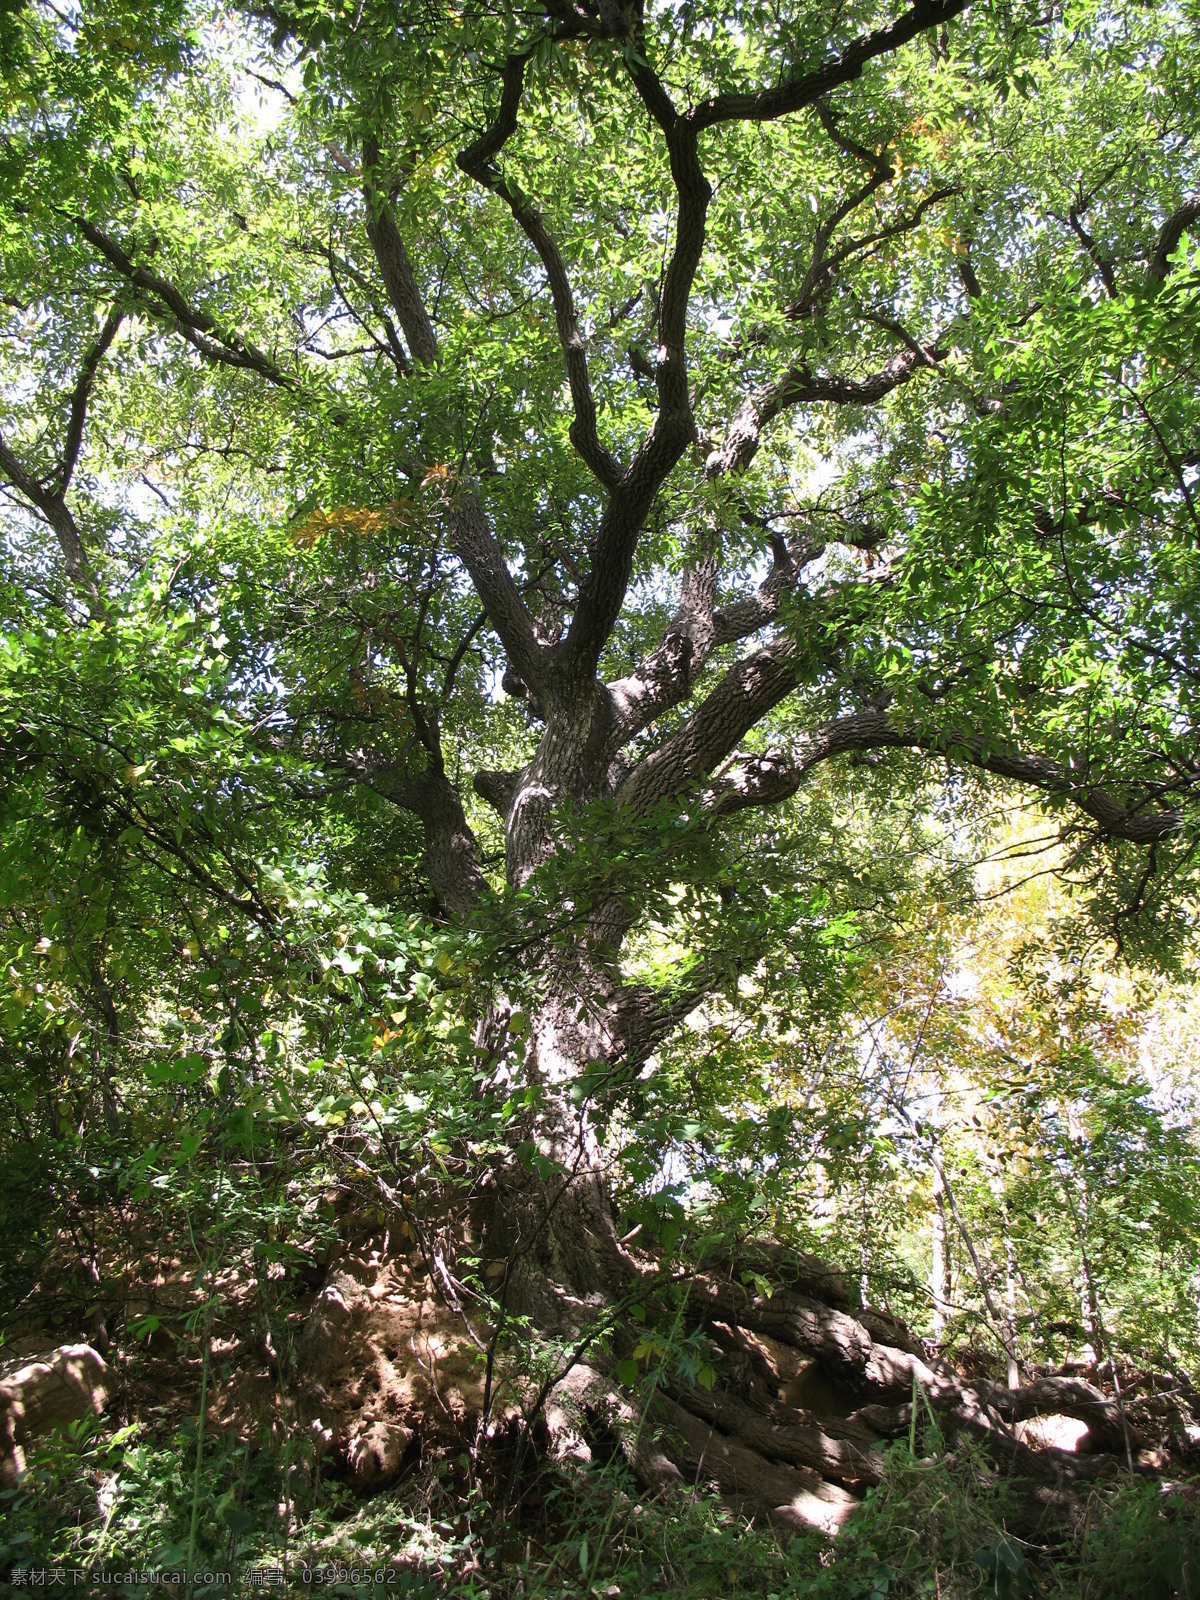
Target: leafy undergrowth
x=145, y=1488
x=503, y=1525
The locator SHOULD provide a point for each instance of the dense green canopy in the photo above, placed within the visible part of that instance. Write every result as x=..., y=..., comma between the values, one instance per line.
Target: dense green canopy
x=523, y=525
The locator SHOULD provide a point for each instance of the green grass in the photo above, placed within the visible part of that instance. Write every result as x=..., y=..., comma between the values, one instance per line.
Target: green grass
x=938, y=1525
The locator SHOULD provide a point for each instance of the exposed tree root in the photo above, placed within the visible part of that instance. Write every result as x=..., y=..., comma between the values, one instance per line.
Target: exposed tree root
x=792, y=1496
x=778, y=1434
x=802, y=1391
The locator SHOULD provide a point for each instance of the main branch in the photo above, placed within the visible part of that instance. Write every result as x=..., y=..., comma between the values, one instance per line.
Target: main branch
x=769, y=777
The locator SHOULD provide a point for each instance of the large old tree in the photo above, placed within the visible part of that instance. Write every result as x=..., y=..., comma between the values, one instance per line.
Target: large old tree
x=538, y=442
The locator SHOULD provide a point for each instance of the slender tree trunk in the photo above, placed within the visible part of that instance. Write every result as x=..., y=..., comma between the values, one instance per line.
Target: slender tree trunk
x=939, y=1266
x=1010, y=1312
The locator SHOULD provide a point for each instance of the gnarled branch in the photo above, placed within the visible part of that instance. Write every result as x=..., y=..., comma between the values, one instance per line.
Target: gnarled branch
x=746, y=693
x=478, y=162
x=765, y=105
x=82, y=393
x=1173, y=229
x=162, y=299
x=395, y=268
x=55, y=510
x=801, y=386
x=772, y=776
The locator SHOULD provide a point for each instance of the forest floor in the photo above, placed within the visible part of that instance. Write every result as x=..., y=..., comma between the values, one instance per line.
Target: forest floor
x=318, y=1424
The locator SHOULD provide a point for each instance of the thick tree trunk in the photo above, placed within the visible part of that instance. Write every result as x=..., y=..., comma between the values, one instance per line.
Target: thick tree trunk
x=553, y=1224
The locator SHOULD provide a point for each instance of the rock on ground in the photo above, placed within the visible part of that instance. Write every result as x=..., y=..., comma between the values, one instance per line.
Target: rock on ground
x=71, y=1382
x=382, y=1368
